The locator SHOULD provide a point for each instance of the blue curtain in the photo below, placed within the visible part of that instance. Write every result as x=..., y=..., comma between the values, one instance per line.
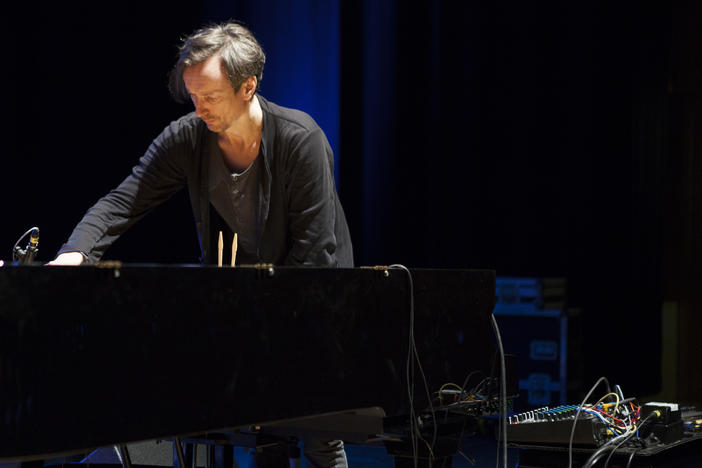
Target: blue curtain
x=301, y=42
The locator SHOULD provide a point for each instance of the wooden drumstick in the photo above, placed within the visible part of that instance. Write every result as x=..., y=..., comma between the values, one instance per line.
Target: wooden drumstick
x=234, y=247
x=220, y=249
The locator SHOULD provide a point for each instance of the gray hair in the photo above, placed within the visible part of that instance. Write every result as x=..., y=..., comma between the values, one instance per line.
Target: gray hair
x=241, y=54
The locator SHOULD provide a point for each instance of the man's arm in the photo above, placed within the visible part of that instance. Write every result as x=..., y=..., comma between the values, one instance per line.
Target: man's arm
x=312, y=203
x=156, y=177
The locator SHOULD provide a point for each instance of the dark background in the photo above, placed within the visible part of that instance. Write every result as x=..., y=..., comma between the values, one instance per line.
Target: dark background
x=536, y=139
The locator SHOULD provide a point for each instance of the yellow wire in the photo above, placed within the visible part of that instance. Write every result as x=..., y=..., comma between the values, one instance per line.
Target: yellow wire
x=615, y=406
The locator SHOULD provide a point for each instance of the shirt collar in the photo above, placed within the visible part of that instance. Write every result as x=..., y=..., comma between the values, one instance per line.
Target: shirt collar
x=218, y=171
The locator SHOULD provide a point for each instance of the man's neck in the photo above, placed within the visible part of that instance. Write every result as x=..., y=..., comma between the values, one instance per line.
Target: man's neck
x=246, y=129
x=241, y=142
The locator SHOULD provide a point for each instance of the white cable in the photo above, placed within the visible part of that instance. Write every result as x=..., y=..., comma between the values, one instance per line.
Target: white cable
x=412, y=358
x=575, y=421
x=503, y=393
x=119, y=455
x=618, y=389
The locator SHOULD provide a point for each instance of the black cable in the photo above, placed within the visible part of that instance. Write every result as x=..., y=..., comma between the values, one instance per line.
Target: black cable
x=641, y=425
x=575, y=420
x=596, y=456
x=14, y=247
x=626, y=439
x=608, y=446
x=483, y=387
x=631, y=457
x=491, y=378
x=465, y=382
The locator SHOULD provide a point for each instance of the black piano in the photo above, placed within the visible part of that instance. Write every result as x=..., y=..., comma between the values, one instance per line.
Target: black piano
x=110, y=354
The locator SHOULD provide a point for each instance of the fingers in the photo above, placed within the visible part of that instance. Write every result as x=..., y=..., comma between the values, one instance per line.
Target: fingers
x=67, y=259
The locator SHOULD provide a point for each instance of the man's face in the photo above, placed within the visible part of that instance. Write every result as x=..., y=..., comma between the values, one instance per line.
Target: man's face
x=212, y=94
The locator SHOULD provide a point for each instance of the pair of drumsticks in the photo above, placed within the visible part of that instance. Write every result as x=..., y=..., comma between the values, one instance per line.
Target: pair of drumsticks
x=220, y=249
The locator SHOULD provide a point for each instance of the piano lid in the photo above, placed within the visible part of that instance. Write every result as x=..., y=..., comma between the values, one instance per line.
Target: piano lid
x=91, y=356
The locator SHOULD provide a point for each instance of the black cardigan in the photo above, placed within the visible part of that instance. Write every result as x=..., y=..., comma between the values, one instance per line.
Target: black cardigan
x=301, y=217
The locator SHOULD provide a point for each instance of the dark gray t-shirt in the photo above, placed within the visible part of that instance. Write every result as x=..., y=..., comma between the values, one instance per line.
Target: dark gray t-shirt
x=235, y=197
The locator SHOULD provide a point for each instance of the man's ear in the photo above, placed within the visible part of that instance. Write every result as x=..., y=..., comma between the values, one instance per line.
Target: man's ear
x=250, y=87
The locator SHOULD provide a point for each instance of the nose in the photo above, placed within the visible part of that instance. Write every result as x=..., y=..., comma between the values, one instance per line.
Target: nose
x=200, y=108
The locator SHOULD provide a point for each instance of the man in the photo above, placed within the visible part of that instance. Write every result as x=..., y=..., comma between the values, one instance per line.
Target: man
x=251, y=167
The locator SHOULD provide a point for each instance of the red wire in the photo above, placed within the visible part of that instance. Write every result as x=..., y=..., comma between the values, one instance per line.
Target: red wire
x=610, y=416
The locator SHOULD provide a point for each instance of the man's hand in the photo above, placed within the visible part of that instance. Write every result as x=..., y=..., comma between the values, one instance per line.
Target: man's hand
x=68, y=259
